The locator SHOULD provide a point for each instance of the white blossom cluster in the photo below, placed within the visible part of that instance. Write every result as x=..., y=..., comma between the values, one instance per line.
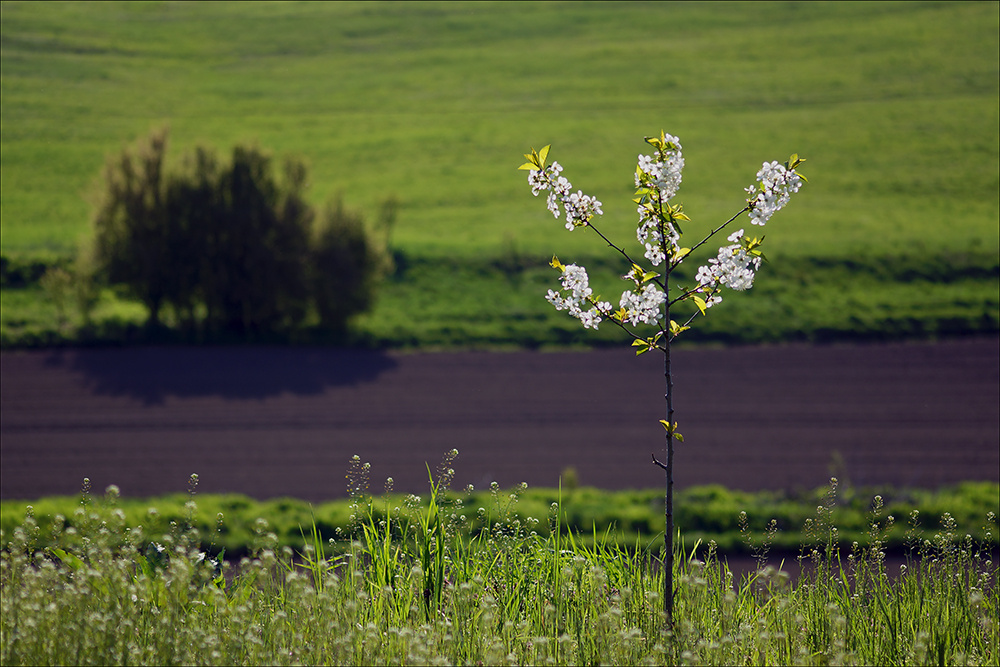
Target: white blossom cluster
x=664, y=176
x=643, y=307
x=648, y=234
x=576, y=282
x=776, y=186
x=733, y=267
x=579, y=207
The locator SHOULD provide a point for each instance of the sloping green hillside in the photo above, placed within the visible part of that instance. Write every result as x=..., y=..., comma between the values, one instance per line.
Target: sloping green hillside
x=895, y=105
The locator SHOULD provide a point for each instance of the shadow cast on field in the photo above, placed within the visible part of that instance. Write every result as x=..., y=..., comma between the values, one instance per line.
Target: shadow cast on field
x=151, y=374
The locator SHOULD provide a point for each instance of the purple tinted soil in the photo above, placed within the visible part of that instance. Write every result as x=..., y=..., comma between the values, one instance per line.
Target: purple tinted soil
x=281, y=421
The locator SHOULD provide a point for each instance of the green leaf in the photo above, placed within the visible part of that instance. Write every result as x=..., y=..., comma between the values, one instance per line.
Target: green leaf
x=676, y=328
x=68, y=559
x=698, y=301
x=542, y=154
x=673, y=431
x=536, y=161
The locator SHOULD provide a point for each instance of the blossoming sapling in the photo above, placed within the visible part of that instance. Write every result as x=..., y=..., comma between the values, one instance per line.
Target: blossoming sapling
x=647, y=301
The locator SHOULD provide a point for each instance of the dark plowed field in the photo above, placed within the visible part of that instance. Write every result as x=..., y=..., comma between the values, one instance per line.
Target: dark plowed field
x=278, y=421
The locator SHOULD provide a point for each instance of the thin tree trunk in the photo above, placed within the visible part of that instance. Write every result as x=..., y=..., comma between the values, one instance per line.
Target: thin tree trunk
x=668, y=537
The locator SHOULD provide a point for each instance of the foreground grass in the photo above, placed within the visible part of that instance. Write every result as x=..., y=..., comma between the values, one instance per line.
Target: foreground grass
x=895, y=106
x=413, y=588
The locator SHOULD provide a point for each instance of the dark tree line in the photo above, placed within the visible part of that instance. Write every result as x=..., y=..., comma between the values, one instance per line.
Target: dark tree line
x=229, y=245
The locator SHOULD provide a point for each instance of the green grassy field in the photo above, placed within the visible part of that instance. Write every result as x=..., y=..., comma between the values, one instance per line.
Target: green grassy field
x=895, y=105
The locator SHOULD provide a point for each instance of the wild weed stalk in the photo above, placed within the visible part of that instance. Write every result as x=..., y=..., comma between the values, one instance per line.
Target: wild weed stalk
x=416, y=585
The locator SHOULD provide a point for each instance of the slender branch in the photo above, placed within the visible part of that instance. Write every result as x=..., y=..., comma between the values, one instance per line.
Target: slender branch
x=621, y=325
x=688, y=293
x=713, y=233
x=624, y=254
x=608, y=241
x=635, y=336
x=620, y=251
x=691, y=319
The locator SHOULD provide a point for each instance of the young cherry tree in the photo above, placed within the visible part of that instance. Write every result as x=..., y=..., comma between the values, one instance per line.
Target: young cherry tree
x=648, y=300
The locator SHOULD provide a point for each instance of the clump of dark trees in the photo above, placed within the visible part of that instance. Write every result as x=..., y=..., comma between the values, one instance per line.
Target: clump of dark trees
x=230, y=247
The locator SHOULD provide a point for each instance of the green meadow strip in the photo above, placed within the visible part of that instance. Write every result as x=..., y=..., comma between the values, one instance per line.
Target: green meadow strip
x=708, y=513
x=501, y=305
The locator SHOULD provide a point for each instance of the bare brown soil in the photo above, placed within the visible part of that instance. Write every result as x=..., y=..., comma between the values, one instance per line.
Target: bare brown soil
x=278, y=421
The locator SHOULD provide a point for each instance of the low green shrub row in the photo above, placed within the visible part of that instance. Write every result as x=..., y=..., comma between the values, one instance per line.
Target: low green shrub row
x=704, y=513
x=501, y=304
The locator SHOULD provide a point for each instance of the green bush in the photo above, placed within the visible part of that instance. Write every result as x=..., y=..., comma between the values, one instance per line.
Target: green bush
x=253, y=270
x=19, y=272
x=132, y=244
x=229, y=246
x=345, y=265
